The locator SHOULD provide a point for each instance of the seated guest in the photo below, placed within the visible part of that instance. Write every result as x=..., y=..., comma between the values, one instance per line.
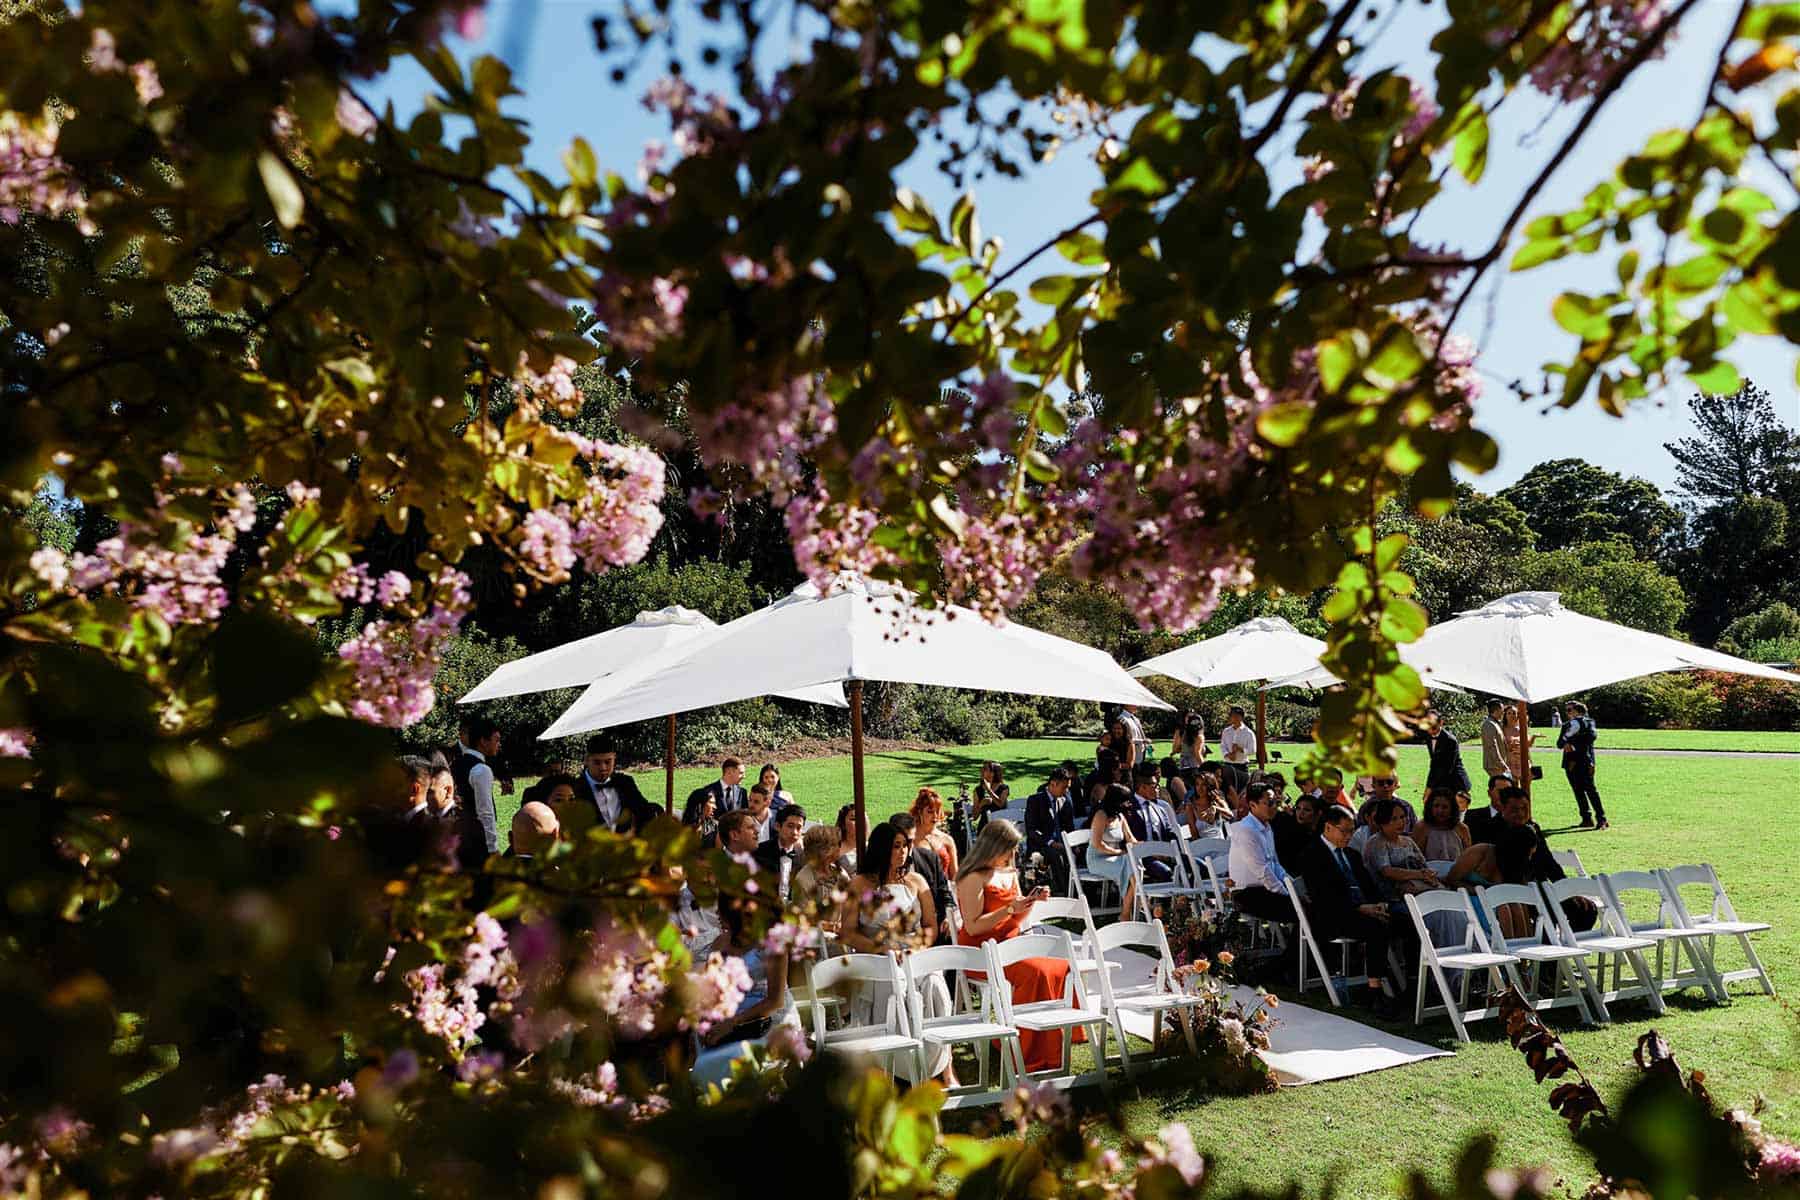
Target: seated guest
x=1393, y=858
x=1049, y=814
x=612, y=797
x=1387, y=787
x=780, y=855
x=443, y=788
x=1174, y=783
x=1109, y=849
x=991, y=792
x=1329, y=788
x=1522, y=855
x=737, y=836
x=1259, y=881
x=1151, y=818
x=1077, y=789
x=534, y=829
x=1486, y=824
x=848, y=829
x=702, y=813
x=1296, y=831
x=761, y=810
x=889, y=906
x=761, y=1008
x=726, y=793
x=1104, y=775
x=929, y=867
x=770, y=778
x=1207, y=811
x=1444, y=838
x=987, y=892
x=928, y=812
x=817, y=887
x=1344, y=901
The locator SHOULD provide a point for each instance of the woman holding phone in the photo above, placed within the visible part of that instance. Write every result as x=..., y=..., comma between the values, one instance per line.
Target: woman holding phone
x=988, y=885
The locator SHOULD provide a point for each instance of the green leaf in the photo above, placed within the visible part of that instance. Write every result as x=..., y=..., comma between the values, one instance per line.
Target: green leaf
x=1578, y=314
x=913, y=214
x=1469, y=152
x=1718, y=379
x=1389, y=550
x=963, y=226
x=1403, y=620
x=1052, y=289
x=1698, y=273
x=579, y=160
x=1051, y=420
x=1746, y=309
x=1336, y=360
x=1140, y=177
x=1401, y=688
x=1082, y=248
x=1039, y=467
x=1628, y=265
x=1537, y=252
x=284, y=191
x=1283, y=424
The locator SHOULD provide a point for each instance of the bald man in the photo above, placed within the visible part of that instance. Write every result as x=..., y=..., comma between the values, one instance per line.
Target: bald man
x=534, y=829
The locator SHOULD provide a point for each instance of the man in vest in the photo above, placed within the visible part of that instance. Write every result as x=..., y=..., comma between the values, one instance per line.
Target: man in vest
x=477, y=827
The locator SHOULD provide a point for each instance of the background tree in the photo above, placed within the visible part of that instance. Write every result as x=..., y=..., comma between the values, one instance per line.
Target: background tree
x=1742, y=448
x=1567, y=501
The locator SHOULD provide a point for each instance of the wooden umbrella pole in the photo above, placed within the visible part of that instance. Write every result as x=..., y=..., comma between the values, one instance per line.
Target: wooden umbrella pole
x=1262, y=729
x=1524, y=779
x=669, y=767
x=856, y=767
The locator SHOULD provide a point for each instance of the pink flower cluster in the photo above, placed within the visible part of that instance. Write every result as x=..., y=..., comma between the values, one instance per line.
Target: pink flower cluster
x=1042, y=1102
x=180, y=584
x=33, y=179
x=611, y=524
x=829, y=538
x=1173, y=1146
x=636, y=319
x=446, y=1004
x=353, y=116
x=393, y=663
x=995, y=563
x=626, y=978
x=1594, y=45
x=719, y=988
x=700, y=122
x=555, y=386
x=15, y=743
x=224, y=1130
x=103, y=58
x=770, y=433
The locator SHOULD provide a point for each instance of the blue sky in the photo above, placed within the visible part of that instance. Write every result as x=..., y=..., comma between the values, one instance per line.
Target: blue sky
x=567, y=92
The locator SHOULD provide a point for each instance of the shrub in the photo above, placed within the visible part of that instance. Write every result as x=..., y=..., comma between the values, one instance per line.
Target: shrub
x=1677, y=700
x=1775, y=622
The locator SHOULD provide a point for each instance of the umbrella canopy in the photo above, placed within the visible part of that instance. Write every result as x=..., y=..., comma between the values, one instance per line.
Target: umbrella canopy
x=1527, y=646
x=1265, y=648
x=855, y=630
x=581, y=662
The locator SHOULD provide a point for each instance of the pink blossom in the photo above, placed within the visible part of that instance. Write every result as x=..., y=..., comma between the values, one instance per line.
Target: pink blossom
x=393, y=662
x=354, y=583
x=1593, y=44
x=145, y=79
x=471, y=22
x=61, y=1132
x=392, y=588
x=299, y=493
x=33, y=179
x=353, y=116
x=15, y=742
x=1174, y=1146
x=548, y=543
x=1778, y=1159
x=178, y=1147
x=52, y=566
x=788, y=1042
x=556, y=385
x=720, y=988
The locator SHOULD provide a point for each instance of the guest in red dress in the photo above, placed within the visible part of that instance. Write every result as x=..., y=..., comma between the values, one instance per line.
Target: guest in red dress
x=988, y=884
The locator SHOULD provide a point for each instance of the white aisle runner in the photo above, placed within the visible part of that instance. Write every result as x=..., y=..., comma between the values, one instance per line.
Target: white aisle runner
x=1306, y=1045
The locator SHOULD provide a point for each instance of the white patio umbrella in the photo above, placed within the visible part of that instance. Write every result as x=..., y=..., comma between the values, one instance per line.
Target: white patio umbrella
x=856, y=630
x=581, y=662
x=1528, y=648
x=1259, y=650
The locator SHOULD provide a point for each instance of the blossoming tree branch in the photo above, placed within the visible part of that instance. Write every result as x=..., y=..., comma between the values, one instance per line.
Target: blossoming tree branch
x=252, y=320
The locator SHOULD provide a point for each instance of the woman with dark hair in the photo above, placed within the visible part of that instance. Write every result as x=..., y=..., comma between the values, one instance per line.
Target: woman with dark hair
x=847, y=830
x=702, y=812
x=889, y=906
x=1187, y=745
x=1206, y=812
x=991, y=793
x=770, y=778
x=1109, y=850
x=928, y=816
x=1394, y=859
x=1445, y=841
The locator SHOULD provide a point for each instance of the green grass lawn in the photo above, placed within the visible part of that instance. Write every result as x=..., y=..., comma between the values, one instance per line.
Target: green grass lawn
x=1734, y=813
x=1698, y=739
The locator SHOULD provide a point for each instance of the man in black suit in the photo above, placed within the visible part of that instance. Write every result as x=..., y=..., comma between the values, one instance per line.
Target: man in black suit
x=1446, y=769
x=1524, y=856
x=926, y=862
x=617, y=804
x=1343, y=901
x=727, y=792
x=1296, y=831
x=780, y=855
x=1050, y=813
x=1486, y=824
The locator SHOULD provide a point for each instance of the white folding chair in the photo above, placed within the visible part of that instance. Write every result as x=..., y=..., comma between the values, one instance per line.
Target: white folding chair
x=1611, y=940
x=1215, y=871
x=1080, y=876
x=1472, y=954
x=1719, y=918
x=1569, y=861
x=978, y=1026
x=1178, y=884
x=1063, y=1014
x=1675, y=939
x=1309, y=948
x=1045, y=913
x=1160, y=995
x=1538, y=947
x=1197, y=849
x=888, y=1036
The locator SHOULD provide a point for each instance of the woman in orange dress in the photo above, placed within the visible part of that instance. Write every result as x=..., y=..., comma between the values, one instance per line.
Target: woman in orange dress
x=988, y=885
x=928, y=811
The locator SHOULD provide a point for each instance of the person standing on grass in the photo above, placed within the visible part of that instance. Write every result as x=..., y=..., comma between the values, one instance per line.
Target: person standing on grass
x=1493, y=741
x=477, y=827
x=1237, y=746
x=1446, y=768
x=1576, y=741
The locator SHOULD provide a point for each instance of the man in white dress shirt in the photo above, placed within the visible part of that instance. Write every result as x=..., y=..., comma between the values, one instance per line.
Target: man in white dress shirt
x=1237, y=746
x=1259, y=882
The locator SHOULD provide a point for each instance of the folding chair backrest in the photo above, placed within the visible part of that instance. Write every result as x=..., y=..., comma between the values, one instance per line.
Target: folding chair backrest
x=1526, y=895
x=937, y=960
x=1626, y=887
x=828, y=974
x=1063, y=908
x=1716, y=907
x=1424, y=904
x=1142, y=852
x=1121, y=934
x=1569, y=861
x=1052, y=943
x=1611, y=921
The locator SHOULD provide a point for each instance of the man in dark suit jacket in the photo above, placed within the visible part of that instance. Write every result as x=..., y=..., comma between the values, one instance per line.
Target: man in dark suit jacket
x=926, y=862
x=1446, y=770
x=727, y=792
x=1486, y=824
x=614, y=795
x=1343, y=901
x=780, y=855
x=1050, y=813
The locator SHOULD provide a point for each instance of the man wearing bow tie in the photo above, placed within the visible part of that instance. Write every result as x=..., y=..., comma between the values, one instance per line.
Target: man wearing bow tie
x=617, y=803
